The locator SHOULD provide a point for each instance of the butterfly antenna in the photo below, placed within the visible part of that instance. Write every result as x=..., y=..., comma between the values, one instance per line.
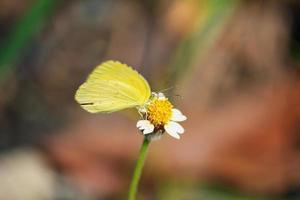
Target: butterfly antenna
x=169, y=88
x=178, y=95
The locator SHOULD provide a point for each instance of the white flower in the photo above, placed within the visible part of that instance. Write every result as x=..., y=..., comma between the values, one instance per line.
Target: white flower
x=161, y=115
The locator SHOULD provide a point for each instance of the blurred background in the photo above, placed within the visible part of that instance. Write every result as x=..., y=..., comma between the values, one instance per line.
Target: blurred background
x=232, y=66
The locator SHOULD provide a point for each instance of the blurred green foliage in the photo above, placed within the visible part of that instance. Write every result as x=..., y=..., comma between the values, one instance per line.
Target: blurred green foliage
x=214, y=14
x=23, y=31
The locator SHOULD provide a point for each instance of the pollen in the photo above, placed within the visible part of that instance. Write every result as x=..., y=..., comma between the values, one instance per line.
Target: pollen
x=159, y=112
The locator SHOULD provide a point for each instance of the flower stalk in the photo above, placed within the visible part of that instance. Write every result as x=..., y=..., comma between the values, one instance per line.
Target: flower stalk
x=138, y=169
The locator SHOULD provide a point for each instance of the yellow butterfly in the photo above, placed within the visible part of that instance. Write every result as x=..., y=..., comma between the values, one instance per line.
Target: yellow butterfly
x=113, y=86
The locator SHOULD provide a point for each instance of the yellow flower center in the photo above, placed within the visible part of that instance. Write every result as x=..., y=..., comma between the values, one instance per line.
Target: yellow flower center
x=159, y=111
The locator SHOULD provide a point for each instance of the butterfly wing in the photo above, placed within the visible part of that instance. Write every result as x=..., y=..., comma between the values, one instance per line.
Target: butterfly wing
x=113, y=86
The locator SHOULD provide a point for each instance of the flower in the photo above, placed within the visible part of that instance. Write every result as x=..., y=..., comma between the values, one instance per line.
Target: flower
x=159, y=116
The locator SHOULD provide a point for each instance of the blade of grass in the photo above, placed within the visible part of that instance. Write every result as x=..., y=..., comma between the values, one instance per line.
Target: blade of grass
x=22, y=33
x=216, y=13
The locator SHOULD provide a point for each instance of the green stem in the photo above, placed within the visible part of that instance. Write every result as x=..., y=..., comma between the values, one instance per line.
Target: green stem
x=138, y=170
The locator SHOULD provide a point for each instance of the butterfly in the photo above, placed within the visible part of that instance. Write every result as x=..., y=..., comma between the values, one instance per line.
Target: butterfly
x=113, y=86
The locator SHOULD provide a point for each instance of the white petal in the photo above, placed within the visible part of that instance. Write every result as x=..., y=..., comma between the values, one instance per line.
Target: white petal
x=177, y=116
x=145, y=125
x=174, y=134
x=142, y=123
x=148, y=129
x=174, y=129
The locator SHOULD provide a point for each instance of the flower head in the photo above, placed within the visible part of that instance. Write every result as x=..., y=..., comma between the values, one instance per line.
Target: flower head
x=160, y=116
